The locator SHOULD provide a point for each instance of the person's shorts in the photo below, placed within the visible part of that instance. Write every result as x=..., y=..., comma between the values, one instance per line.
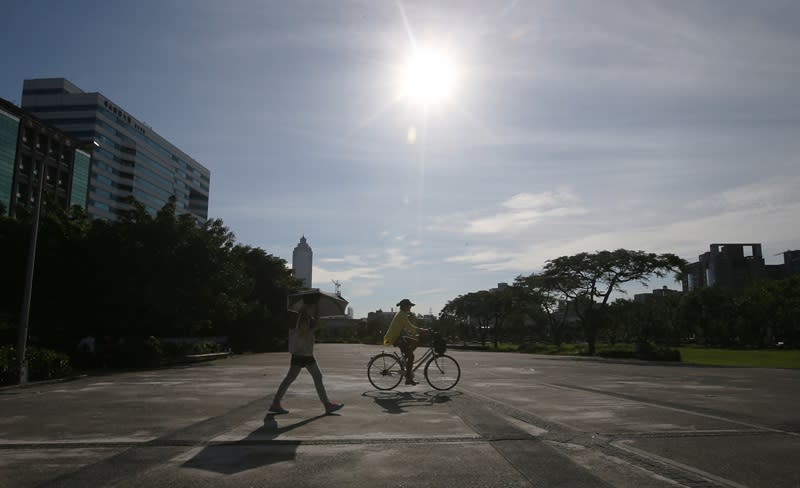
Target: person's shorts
x=406, y=344
x=302, y=361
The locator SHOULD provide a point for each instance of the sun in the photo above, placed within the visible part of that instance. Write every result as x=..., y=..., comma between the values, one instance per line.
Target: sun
x=429, y=76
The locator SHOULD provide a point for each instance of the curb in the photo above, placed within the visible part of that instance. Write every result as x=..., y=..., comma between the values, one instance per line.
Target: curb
x=32, y=384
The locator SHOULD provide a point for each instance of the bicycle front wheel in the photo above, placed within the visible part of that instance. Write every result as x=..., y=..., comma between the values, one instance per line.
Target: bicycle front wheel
x=384, y=371
x=442, y=372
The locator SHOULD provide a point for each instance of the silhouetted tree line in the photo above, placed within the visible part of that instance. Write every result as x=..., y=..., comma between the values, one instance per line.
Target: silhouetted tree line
x=570, y=301
x=139, y=276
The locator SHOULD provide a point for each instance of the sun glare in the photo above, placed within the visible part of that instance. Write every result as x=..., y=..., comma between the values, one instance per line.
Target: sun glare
x=428, y=77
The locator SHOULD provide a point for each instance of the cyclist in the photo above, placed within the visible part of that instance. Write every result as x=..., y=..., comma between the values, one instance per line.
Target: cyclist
x=397, y=335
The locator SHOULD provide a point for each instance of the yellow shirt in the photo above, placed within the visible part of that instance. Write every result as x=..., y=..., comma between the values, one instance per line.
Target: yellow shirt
x=400, y=322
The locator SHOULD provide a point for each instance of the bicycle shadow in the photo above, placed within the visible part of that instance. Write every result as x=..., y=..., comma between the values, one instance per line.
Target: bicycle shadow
x=397, y=402
x=257, y=450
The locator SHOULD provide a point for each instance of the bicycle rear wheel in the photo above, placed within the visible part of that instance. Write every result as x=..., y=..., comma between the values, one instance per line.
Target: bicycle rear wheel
x=384, y=371
x=442, y=372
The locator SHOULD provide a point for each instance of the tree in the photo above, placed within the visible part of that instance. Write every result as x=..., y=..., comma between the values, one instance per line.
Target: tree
x=541, y=298
x=589, y=279
x=479, y=312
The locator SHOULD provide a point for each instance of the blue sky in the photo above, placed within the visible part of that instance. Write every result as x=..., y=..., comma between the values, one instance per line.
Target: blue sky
x=571, y=125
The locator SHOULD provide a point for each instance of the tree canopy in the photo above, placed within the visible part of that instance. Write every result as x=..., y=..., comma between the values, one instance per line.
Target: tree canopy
x=162, y=275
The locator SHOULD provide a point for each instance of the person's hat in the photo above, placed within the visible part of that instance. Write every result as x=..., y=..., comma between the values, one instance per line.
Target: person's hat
x=405, y=301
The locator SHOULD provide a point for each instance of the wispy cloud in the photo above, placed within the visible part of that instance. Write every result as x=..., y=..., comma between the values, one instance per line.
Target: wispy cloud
x=756, y=195
x=323, y=275
x=687, y=238
x=349, y=259
x=395, y=258
x=515, y=215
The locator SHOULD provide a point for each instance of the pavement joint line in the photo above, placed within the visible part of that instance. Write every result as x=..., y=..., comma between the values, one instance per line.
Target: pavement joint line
x=248, y=442
x=667, y=471
x=623, y=445
x=524, y=416
x=667, y=406
x=678, y=473
x=689, y=433
x=525, y=452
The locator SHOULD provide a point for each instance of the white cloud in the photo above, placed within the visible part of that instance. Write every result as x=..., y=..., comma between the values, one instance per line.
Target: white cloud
x=479, y=256
x=687, y=238
x=350, y=259
x=518, y=213
x=763, y=194
x=394, y=258
x=324, y=276
x=539, y=201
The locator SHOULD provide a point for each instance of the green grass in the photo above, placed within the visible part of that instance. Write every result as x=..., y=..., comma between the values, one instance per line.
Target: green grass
x=731, y=357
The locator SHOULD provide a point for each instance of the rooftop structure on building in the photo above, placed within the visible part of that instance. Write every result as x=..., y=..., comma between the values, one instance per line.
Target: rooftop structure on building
x=132, y=160
x=31, y=149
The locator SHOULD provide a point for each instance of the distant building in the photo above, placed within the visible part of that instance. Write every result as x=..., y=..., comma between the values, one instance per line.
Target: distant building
x=302, y=260
x=737, y=266
x=27, y=145
x=350, y=313
x=661, y=292
x=342, y=323
x=132, y=160
x=791, y=263
x=381, y=317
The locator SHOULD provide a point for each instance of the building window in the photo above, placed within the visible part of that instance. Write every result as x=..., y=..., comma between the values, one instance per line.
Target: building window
x=27, y=137
x=22, y=193
x=50, y=175
x=41, y=143
x=25, y=166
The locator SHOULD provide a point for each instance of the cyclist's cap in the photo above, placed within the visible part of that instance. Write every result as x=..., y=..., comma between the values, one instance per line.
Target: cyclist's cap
x=405, y=301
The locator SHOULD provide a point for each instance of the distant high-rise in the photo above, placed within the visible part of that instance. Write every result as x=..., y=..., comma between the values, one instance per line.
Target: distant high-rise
x=131, y=160
x=302, y=258
x=737, y=266
x=33, y=153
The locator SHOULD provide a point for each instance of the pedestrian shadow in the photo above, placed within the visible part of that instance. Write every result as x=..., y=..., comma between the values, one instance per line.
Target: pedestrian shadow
x=396, y=402
x=257, y=450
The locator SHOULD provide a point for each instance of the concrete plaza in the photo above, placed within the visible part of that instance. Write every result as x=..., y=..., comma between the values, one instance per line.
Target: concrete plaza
x=513, y=420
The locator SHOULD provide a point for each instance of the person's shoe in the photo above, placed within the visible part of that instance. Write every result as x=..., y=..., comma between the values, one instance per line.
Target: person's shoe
x=333, y=407
x=276, y=408
x=410, y=381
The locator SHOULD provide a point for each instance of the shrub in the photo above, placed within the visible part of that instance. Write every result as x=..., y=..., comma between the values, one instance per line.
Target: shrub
x=539, y=348
x=43, y=364
x=137, y=352
x=205, y=347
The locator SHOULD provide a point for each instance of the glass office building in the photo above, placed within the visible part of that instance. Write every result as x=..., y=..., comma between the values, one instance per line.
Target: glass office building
x=130, y=158
x=30, y=151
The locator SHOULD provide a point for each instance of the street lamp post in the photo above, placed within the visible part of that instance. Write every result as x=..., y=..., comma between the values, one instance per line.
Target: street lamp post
x=26, y=300
x=25, y=313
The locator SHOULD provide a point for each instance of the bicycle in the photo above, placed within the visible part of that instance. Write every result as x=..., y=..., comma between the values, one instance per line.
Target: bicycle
x=442, y=372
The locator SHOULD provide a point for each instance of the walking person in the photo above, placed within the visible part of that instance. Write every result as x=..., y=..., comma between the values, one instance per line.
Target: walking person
x=301, y=345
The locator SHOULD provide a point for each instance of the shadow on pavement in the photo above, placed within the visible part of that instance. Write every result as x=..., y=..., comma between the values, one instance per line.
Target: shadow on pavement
x=398, y=401
x=254, y=451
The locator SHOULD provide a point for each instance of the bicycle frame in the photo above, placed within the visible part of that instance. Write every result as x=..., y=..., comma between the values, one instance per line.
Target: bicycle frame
x=419, y=362
x=385, y=370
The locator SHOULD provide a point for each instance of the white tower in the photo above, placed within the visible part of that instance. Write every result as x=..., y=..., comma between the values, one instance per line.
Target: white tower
x=302, y=258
